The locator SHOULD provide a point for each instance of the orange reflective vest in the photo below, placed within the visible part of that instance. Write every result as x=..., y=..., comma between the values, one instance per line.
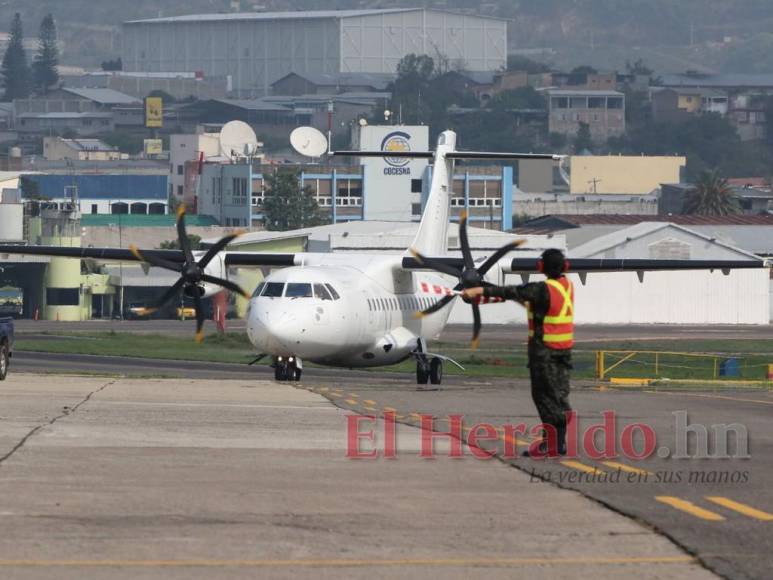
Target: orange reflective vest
x=558, y=325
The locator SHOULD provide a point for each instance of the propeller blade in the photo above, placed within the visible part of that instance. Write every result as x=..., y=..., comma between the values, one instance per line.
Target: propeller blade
x=199, y=317
x=499, y=254
x=154, y=260
x=476, y=326
x=439, y=305
x=182, y=235
x=217, y=248
x=233, y=287
x=170, y=293
x=435, y=265
x=469, y=264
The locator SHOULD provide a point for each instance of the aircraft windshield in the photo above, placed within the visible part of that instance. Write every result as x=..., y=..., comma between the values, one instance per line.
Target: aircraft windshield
x=333, y=292
x=273, y=289
x=258, y=290
x=298, y=290
x=321, y=292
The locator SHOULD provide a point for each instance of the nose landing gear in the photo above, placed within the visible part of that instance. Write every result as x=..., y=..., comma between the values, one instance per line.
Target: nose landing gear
x=287, y=368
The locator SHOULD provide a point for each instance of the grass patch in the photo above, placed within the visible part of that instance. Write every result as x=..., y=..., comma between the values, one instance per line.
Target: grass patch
x=496, y=360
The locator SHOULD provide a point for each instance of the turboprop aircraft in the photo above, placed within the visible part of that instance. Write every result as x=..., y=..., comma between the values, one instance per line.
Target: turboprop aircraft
x=357, y=309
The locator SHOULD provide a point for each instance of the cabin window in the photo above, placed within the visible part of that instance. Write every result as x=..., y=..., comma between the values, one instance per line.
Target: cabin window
x=321, y=292
x=298, y=290
x=273, y=289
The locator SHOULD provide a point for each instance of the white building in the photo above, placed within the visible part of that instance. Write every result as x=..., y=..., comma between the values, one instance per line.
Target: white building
x=253, y=50
x=182, y=150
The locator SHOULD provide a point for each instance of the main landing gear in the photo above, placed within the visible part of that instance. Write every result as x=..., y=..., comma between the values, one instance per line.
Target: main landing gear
x=428, y=369
x=287, y=368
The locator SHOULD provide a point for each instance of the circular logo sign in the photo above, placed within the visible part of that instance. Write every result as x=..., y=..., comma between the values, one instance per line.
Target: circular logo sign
x=397, y=141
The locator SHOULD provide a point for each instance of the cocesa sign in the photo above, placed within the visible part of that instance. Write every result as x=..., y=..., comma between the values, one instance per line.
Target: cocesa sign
x=397, y=141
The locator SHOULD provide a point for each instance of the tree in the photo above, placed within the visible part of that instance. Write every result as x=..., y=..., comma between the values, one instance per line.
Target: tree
x=519, y=63
x=711, y=196
x=15, y=70
x=287, y=206
x=583, y=140
x=193, y=239
x=520, y=98
x=44, y=71
x=112, y=65
x=411, y=88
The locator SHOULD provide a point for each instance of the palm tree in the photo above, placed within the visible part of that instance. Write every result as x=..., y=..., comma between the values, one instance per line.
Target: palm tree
x=712, y=195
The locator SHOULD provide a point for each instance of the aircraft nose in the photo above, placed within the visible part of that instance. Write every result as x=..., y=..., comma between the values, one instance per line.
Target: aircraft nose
x=276, y=330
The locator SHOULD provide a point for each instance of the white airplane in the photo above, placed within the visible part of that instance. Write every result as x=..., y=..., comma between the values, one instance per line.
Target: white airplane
x=356, y=309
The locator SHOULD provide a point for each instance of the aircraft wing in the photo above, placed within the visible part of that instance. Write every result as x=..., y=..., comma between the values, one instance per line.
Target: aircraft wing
x=587, y=265
x=121, y=255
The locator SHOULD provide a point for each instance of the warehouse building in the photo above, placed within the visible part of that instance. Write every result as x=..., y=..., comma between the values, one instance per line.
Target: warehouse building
x=253, y=50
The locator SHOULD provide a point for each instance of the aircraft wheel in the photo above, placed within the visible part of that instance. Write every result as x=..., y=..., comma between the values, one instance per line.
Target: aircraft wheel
x=5, y=360
x=296, y=374
x=280, y=371
x=422, y=373
x=436, y=371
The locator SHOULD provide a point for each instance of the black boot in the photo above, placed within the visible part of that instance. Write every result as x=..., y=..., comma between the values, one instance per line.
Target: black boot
x=561, y=443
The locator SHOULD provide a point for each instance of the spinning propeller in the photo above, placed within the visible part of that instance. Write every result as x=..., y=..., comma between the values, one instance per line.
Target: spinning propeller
x=469, y=276
x=192, y=273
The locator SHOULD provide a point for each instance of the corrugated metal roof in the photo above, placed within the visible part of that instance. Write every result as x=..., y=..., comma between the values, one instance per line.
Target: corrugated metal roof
x=145, y=221
x=582, y=93
x=300, y=14
x=104, y=96
x=66, y=116
x=106, y=187
x=684, y=220
x=375, y=80
x=606, y=242
x=718, y=80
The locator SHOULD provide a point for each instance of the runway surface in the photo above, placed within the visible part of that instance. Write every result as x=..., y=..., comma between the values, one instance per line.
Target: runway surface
x=177, y=478
x=719, y=510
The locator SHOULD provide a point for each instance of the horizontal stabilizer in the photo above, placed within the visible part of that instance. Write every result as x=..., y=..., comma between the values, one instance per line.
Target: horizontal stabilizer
x=495, y=155
x=391, y=154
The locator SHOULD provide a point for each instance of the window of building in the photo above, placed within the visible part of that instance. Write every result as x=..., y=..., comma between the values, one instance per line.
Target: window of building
x=62, y=296
x=559, y=103
x=415, y=209
x=180, y=170
x=615, y=103
x=416, y=185
x=579, y=103
x=94, y=208
x=180, y=190
x=597, y=102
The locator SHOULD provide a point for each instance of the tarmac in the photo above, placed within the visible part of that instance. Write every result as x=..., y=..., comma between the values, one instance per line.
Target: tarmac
x=189, y=478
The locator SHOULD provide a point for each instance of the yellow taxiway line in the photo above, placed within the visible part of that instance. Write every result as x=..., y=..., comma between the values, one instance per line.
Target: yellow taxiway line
x=690, y=508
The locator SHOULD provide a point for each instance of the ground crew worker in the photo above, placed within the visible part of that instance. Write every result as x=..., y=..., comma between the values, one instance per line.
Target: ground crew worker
x=550, y=311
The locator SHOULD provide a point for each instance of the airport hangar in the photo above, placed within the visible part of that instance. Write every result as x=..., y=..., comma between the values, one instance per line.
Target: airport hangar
x=252, y=50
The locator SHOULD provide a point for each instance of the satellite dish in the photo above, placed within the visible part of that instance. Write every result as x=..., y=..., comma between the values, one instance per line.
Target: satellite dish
x=236, y=138
x=308, y=141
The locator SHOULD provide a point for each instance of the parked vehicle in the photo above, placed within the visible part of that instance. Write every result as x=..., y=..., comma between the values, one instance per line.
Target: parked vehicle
x=6, y=345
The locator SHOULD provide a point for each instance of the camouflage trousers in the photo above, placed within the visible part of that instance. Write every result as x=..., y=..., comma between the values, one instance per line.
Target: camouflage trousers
x=550, y=387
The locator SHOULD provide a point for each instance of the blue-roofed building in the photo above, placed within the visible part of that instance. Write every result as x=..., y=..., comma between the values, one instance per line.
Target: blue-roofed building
x=101, y=194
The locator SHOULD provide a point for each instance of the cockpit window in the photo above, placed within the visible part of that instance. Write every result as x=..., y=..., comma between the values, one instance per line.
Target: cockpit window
x=258, y=290
x=296, y=290
x=333, y=292
x=273, y=289
x=321, y=292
